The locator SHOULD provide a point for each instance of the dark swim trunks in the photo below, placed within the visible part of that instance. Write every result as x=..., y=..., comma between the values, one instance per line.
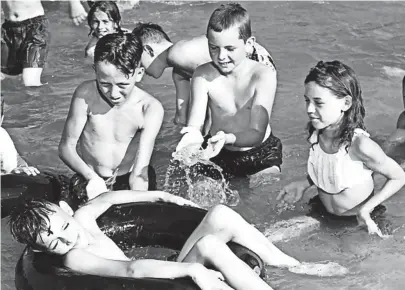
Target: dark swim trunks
x=24, y=44
x=244, y=163
x=78, y=183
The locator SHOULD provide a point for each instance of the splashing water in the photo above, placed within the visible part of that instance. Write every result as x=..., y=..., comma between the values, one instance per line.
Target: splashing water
x=327, y=269
x=184, y=178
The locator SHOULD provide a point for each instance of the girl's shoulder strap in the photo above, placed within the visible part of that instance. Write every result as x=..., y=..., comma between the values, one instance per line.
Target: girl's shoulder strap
x=314, y=137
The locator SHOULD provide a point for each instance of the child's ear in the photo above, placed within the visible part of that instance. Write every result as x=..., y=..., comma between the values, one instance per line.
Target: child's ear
x=140, y=71
x=348, y=102
x=251, y=41
x=65, y=207
x=149, y=50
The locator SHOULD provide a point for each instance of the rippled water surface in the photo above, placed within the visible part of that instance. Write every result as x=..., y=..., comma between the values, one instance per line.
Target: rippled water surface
x=368, y=36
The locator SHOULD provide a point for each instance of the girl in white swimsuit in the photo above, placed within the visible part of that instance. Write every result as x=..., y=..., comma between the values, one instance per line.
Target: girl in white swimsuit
x=342, y=157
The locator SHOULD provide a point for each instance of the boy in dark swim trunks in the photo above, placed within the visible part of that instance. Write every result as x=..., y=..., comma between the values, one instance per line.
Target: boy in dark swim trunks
x=106, y=117
x=25, y=38
x=239, y=93
x=184, y=57
x=86, y=249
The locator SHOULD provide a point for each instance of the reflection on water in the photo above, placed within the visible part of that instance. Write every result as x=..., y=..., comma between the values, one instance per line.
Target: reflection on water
x=368, y=36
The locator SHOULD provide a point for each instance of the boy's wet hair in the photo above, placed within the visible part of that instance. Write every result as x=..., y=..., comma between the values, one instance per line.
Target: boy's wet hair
x=28, y=219
x=108, y=7
x=342, y=81
x=229, y=15
x=150, y=33
x=122, y=50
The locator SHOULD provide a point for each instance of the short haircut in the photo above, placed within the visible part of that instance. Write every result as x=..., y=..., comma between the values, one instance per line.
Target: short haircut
x=28, y=219
x=121, y=50
x=150, y=33
x=108, y=7
x=229, y=15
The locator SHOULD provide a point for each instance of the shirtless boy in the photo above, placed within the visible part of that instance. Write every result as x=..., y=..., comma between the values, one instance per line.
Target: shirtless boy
x=86, y=249
x=239, y=93
x=25, y=38
x=104, y=118
x=185, y=56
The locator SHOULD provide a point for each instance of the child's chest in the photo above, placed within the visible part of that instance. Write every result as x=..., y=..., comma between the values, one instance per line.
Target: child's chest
x=103, y=246
x=231, y=95
x=116, y=123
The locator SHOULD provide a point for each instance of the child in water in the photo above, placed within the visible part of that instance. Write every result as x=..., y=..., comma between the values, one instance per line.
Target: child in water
x=103, y=18
x=342, y=157
x=10, y=160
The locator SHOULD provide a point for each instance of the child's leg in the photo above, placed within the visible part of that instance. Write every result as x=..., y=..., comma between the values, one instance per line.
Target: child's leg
x=212, y=251
x=227, y=225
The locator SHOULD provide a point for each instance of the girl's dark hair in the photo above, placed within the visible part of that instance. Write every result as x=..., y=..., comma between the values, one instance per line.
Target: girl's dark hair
x=229, y=15
x=122, y=50
x=342, y=81
x=150, y=33
x=28, y=219
x=109, y=8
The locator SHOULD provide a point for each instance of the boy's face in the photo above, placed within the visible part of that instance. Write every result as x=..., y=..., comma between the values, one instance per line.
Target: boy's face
x=62, y=233
x=226, y=49
x=114, y=84
x=102, y=24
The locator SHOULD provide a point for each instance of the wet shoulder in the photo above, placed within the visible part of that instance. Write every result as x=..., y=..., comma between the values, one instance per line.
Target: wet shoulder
x=86, y=89
x=207, y=71
x=189, y=53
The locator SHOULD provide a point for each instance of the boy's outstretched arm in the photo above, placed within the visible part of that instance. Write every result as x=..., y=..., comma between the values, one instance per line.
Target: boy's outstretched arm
x=77, y=12
x=153, y=119
x=87, y=263
x=97, y=206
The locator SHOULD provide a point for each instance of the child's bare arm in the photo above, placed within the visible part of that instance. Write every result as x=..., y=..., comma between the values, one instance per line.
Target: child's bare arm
x=75, y=122
x=84, y=262
x=371, y=154
x=153, y=118
x=403, y=90
x=89, y=50
x=199, y=98
x=77, y=12
x=182, y=84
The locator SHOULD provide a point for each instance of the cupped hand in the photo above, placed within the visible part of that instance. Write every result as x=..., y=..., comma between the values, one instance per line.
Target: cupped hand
x=291, y=193
x=95, y=187
x=29, y=170
x=192, y=138
x=215, y=145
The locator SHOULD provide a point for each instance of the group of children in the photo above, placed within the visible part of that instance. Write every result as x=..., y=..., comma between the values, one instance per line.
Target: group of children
x=225, y=89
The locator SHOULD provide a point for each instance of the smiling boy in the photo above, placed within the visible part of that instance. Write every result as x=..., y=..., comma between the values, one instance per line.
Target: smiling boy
x=184, y=57
x=105, y=116
x=86, y=249
x=239, y=93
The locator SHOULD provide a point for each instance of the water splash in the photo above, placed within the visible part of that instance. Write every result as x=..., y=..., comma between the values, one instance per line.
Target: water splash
x=327, y=269
x=188, y=175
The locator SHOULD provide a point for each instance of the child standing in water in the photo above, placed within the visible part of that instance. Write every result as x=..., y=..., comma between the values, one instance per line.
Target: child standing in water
x=342, y=157
x=103, y=18
x=106, y=117
x=239, y=93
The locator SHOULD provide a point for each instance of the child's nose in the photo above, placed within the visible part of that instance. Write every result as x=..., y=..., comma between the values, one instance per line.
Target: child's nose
x=222, y=54
x=310, y=108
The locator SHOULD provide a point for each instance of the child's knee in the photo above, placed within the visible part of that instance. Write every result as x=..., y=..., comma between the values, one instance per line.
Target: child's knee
x=220, y=214
x=208, y=246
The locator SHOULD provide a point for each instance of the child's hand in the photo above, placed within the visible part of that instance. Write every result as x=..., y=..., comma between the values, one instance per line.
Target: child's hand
x=363, y=217
x=209, y=279
x=95, y=187
x=77, y=12
x=29, y=170
x=215, y=145
x=292, y=193
x=192, y=138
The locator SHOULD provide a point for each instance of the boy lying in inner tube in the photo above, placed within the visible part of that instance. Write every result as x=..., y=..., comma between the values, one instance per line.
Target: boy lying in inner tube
x=86, y=249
